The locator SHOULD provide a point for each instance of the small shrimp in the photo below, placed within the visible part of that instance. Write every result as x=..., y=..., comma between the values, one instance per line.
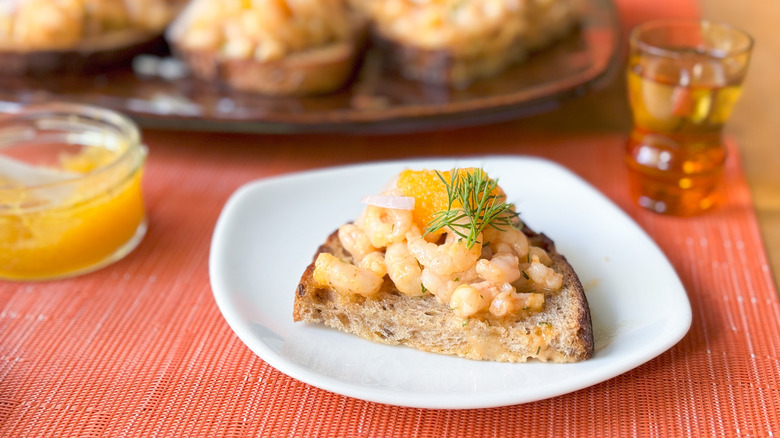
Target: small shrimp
x=487, y=253
x=541, y=275
x=510, y=302
x=404, y=270
x=447, y=258
x=43, y=24
x=331, y=272
x=374, y=262
x=470, y=299
x=501, y=268
x=501, y=241
x=442, y=286
x=355, y=241
x=540, y=253
x=385, y=226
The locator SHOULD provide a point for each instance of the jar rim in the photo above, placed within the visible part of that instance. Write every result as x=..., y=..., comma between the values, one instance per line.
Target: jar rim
x=121, y=126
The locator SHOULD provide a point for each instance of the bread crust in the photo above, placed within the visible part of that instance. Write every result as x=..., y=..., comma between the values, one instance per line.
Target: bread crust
x=451, y=66
x=91, y=55
x=442, y=66
x=314, y=71
x=562, y=332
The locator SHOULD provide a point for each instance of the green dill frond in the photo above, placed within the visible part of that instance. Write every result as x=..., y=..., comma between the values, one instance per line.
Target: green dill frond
x=478, y=208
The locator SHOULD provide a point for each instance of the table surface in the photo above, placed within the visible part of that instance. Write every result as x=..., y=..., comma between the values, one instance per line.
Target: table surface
x=140, y=348
x=756, y=119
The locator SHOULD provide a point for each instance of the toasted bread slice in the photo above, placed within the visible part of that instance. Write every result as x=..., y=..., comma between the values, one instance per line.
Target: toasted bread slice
x=43, y=38
x=311, y=47
x=90, y=55
x=314, y=71
x=465, y=55
x=445, y=67
x=561, y=332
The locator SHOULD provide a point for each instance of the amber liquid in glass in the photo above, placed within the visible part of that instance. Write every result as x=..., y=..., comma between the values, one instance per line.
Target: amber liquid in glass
x=675, y=153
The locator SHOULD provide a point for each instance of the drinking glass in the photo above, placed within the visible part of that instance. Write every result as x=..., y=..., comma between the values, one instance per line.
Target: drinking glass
x=683, y=80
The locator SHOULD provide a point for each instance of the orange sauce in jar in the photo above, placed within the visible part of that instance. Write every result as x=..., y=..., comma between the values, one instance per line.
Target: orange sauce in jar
x=93, y=217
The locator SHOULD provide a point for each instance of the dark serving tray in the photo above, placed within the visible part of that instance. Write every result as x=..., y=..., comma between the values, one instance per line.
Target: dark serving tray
x=375, y=101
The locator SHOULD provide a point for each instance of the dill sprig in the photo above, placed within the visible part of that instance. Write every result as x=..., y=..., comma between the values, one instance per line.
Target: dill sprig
x=479, y=206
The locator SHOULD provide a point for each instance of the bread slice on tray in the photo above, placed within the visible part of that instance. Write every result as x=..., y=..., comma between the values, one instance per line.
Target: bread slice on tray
x=42, y=37
x=456, y=42
x=276, y=48
x=547, y=320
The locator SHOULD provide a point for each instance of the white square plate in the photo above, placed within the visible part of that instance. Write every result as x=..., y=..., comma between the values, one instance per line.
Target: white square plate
x=269, y=231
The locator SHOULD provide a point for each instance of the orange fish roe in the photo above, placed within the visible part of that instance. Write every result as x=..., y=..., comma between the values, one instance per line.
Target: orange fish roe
x=429, y=193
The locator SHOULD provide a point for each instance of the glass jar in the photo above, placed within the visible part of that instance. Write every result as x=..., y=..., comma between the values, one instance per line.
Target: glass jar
x=70, y=190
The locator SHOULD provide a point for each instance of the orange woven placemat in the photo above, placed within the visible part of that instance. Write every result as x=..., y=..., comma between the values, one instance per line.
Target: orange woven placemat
x=140, y=348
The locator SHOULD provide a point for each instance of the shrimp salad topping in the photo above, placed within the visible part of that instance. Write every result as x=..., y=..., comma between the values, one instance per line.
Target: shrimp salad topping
x=460, y=242
x=264, y=30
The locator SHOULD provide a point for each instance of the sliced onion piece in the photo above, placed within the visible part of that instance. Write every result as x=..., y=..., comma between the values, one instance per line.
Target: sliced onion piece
x=385, y=201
